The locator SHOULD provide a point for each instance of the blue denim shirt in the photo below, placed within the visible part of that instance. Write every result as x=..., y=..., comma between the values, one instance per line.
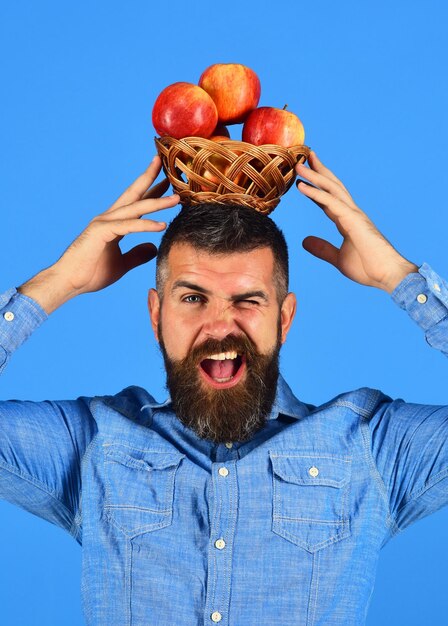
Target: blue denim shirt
x=284, y=529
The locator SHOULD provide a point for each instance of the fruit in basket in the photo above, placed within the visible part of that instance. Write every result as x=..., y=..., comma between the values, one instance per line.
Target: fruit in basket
x=221, y=164
x=184, y=110
x=269, y=125
x=219, y=138
x=218, y=161
x=234, y=88
x=221, y=132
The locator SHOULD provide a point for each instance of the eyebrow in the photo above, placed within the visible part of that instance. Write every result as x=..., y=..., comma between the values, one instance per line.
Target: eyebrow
x=250, y=294
x=179, y=284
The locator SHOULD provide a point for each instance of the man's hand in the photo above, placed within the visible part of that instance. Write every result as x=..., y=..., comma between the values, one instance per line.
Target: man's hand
x=94, y=260
x=365, y=255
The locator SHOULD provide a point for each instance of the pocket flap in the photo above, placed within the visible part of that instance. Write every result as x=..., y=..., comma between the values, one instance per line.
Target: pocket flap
x=333, y=471
x=145, y=460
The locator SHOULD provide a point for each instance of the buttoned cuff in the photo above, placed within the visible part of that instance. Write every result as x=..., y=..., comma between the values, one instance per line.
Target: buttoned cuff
x=424, y=296
x=19, y=317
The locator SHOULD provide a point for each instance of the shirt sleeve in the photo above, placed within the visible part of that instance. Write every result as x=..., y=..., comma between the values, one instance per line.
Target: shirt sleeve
x=41, y=443
x=19, y=317
x=409, y=442
x=424, y=296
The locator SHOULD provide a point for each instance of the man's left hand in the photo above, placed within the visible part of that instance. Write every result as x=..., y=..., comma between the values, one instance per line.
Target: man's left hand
x=365, y=255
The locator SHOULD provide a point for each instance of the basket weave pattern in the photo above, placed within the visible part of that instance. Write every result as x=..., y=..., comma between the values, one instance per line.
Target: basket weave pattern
x=255, y=176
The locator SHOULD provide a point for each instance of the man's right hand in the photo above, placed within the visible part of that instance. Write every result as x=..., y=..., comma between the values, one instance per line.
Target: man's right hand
x=94, y=260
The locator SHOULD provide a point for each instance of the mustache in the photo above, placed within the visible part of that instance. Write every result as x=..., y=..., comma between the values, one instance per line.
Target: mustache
x=231, y=343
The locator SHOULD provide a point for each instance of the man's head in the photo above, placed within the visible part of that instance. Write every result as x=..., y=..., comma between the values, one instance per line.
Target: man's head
x=220, y=313
x=224, y=229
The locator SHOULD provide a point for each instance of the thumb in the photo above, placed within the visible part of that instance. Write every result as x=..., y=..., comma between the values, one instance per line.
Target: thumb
x=322, y=249
x=139, y=255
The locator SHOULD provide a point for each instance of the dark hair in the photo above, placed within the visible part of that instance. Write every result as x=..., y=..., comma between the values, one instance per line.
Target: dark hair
x=225, y=228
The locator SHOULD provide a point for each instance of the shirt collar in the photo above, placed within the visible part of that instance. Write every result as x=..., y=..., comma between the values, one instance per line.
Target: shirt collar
x=286, y=403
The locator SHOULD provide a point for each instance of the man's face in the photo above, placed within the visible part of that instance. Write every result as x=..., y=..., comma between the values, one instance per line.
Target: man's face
x=220, y=327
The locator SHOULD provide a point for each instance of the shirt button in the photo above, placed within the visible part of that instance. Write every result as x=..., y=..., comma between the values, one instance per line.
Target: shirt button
x=313, y=471
x=436, y=287
x=9, y=316
x=229, y=445
x=421, y=298
x=223, y=471
x=216, y=616
x=220, y=544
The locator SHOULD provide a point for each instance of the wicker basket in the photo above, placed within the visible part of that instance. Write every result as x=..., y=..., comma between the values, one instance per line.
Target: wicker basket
x=222, y=172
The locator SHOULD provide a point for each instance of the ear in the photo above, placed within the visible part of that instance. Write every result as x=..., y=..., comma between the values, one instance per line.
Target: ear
x=154, y=311
x=287, y=314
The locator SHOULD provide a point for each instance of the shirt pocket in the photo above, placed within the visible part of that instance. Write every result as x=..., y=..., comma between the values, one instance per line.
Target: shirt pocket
x=139, y=488
x=310, y=498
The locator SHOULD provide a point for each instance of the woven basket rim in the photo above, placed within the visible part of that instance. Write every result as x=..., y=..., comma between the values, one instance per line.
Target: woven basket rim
x=237, y=141
x=229, y=170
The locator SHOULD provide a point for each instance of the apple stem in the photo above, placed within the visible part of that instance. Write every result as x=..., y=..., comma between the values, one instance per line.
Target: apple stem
x=285, y=107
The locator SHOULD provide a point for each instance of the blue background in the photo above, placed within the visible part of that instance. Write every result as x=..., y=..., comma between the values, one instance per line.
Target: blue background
x=368, y=81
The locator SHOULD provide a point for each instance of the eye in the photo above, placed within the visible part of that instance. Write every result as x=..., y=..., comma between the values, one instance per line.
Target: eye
x=249, y=302
x=193, y=298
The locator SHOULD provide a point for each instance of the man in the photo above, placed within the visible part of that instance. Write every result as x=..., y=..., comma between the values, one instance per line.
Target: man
x=232, y=502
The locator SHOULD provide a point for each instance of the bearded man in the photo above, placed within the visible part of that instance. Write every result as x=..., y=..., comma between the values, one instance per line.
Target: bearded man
x=232, y=501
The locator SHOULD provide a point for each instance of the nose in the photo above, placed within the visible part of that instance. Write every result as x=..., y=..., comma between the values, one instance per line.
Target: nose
x=219, y=321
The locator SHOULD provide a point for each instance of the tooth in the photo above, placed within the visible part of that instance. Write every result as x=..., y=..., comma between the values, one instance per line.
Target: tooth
x=221, y=356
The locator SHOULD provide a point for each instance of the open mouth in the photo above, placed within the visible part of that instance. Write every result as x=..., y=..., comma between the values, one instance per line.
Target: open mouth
x=224, y=369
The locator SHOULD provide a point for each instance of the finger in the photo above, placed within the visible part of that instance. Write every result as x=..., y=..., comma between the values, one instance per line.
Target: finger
x=139, y=255
x=298, y=181
x=135, y=191
x=143, y=207
x=319, y=167
x=347, y=218
x=332, y=206
x=109, y=231
x=324, y=182
x=158, y=190
x=322, y=249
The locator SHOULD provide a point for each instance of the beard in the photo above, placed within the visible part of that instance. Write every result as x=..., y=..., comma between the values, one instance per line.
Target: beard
x=223, y=415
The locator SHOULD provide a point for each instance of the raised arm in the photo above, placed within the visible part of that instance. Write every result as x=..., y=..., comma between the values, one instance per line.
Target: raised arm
x=42, y=444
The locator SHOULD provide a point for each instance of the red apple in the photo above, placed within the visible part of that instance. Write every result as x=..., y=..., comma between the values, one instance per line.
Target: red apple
x=184, y=110
x=219, y=138
x=235, y=89
x=269, y=125
x=220, y=131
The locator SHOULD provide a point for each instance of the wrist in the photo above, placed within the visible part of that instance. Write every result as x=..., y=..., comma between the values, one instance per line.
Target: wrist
x=403, y=269
x=48, y=289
